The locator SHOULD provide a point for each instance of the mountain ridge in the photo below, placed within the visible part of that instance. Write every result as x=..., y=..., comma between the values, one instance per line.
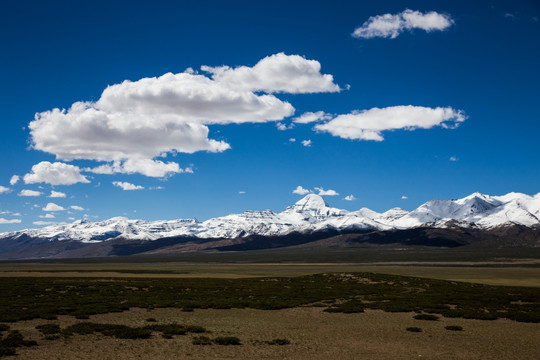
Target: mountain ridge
x=309, y=214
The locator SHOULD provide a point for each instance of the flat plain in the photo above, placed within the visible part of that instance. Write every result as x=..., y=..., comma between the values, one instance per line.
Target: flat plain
x=480, y=308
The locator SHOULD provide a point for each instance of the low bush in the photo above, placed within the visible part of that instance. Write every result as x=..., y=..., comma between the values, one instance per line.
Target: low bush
x=48, y=329
x=414, y=329
x=426, y=317
x=201, y=340
x=453, y=328
x=278, y=342
x=227, y=340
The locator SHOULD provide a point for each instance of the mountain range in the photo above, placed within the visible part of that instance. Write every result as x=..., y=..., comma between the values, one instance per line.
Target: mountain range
x=508, y=220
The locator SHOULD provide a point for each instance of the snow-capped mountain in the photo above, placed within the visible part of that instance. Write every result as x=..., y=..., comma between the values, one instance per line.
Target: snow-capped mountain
x=308, y=215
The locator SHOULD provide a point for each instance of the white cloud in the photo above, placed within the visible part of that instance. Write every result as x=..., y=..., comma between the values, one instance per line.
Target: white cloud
x=276, y=73
x=404, y=197
x=127, y=186
x=41, y=222
x=47, y=216
x=368, y=124
x=349, y=197
x=281, y=126
x=57, y=194
x=16, y=214
x=156, y=188
x=148, y=167
x=76, y=207
x=453, y=158
x=14, y=179
x=391, y=25
x=306, y=143
x=10, y=221
x=241, y=192
x=301, y=191
x=56, y=173
x=26, y=192
x=328, y=192
x=136, y=121
x=71, y=218
x=292, y=140
x=309, y=117
x=4, y=189
x=53, y=207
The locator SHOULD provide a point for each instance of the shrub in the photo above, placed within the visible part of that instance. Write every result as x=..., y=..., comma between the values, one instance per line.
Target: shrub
x=201, y=340
x=414, y=329
x=426, y=317
x=278, y=342
x=48, y=329
x=227, y=340
x=453, y=328
x=151, y=320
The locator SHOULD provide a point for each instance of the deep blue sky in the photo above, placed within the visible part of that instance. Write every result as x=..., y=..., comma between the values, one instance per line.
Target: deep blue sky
x=486, y=64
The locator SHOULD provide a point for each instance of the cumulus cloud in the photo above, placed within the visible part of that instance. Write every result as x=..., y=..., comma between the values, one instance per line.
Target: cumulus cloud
x=309, y=117
x=14, y=179
x=41, y=222
x=127, y=186
x=26, y=192
x=282, y=127
x=349, y=197
x=328, y=192
x=53, y=207
x=369, y=124
x=57, y=194
x=306, y=143
x=76, y=207
x=134, y=122
x=10, y=221
x=292, y=74
x=56, y=173
x=404, y=197
x=301, y=191
x=47, y=216
x=392, y=25
x=148, y=167
x=4, y=189
x=453, y=158
x=292, y=140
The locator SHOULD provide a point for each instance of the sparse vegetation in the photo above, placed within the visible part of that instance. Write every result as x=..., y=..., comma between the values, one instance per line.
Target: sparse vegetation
x=226, y=340
x=201, y=340
x=49, y=329
x=426, y=317
x=454, y=328
x=12, y=341
x=278, y=342
x=414, y=329
x=340, y=292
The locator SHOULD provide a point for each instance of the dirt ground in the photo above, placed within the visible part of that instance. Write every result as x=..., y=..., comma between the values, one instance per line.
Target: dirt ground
x=313, y=334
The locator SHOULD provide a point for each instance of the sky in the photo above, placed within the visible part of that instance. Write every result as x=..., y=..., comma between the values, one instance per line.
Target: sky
x=186, y=109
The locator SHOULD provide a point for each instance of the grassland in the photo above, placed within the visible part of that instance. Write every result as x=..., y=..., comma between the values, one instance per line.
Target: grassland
x=289, y=310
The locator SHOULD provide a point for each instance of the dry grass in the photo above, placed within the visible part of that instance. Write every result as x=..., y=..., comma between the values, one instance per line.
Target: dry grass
x=467, y=272
x=313, y=334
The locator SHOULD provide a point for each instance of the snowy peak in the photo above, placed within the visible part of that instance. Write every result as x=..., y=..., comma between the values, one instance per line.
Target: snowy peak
x=310, y=202
x=307, y=215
